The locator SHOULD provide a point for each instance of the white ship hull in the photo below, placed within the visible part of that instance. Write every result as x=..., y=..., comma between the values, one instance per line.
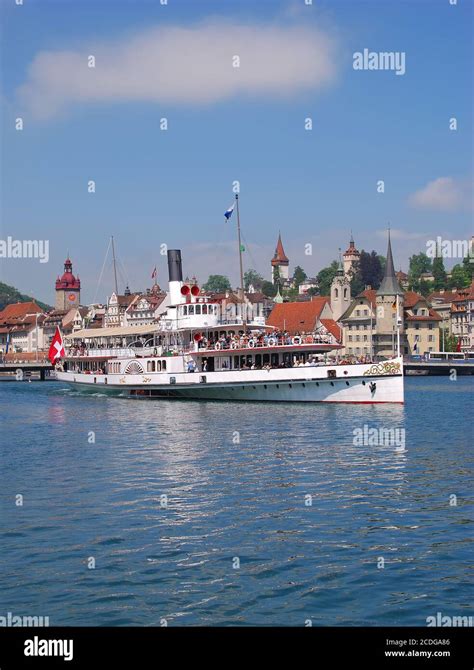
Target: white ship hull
x=362, y=383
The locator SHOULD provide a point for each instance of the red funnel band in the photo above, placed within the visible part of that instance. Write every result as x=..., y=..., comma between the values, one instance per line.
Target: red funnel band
x=195, y=290
x=185, y=289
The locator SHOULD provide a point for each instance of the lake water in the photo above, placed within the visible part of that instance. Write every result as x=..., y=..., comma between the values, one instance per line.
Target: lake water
x=205, y=513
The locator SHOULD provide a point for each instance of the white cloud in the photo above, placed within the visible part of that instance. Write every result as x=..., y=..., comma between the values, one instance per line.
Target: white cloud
x=444, y=194
x=176, y=65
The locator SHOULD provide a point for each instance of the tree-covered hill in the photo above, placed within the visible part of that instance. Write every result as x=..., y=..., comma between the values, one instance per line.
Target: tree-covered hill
x=9, y=295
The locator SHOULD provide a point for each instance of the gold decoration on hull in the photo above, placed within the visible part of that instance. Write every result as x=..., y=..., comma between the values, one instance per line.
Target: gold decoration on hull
x=385, y=368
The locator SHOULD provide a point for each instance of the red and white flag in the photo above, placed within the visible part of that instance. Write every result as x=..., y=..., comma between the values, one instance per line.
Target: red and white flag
x=56, y=350
x=153, y=274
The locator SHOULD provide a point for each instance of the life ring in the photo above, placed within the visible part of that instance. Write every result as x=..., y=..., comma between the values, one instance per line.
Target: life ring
x=309, y=339
x=252, y=343
x=217, y=346
x=296, y=340
x=233, y=345
x=271, y=341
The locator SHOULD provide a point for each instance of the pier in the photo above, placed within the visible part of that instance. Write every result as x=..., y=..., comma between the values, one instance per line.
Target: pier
x=438, y=368
x=21, y=366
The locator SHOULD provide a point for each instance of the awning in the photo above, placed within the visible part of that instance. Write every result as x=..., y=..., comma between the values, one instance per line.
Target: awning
x=95, y=333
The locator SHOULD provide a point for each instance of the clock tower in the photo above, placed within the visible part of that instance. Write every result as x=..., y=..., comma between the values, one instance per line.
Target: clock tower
x=68, y=288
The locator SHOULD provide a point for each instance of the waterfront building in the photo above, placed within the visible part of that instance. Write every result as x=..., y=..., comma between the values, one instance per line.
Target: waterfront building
x=142, y=310
x=370, y=323
x=307, y=284
x=461, y=317
x=68, y=288
x=117, y=305
x=21, y=327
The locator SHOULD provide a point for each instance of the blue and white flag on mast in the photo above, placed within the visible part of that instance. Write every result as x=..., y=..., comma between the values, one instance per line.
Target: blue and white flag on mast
x=228, y=212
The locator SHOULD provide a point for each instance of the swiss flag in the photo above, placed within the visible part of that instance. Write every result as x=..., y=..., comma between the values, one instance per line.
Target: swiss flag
x=56, y=350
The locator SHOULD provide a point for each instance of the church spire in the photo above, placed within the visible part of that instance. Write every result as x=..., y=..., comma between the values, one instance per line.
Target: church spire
x=389, y=285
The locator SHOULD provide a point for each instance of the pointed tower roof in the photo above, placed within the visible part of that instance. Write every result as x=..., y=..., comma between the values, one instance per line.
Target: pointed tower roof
x=278, y=298
x=389, y=285
x=280, y=257
x=351, y=250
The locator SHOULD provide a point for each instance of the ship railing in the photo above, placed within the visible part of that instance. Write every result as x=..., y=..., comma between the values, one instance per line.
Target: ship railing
x=84, y=352
x=269, y=342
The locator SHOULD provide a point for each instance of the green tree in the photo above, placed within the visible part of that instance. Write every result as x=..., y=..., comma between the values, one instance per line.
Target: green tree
x=299, y=276
x=325, y=278
x=439, y=273
x=468, y=264
x=459, y=277
x=450, y=341
x=268, y=289
x=312, y=291
x=217, y=284
x=254, y=278
x=419, y=263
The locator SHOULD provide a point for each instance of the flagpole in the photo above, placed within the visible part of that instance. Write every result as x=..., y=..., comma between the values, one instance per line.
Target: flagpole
x=242, y=294
x=398, y=329
x=115, y=266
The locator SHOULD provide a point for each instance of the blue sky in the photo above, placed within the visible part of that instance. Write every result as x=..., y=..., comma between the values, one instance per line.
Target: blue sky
x=171, y=187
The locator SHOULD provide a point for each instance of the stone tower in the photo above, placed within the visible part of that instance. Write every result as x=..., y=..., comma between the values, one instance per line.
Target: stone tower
x=351, y=258
x=280, y=261
x=68, y=288
x=386, y=309
x=340, y=293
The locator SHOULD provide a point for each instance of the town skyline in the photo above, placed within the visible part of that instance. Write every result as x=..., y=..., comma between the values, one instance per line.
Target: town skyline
x=318, y=146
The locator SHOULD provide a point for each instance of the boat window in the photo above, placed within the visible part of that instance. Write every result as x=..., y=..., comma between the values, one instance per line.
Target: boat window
x=198, y=309
x=185, y=310
x=266, y=359
x=163, y=365
x=204, y=309
x=151, y=366
x=191, y=309
x=274, y=360
x=258, y=360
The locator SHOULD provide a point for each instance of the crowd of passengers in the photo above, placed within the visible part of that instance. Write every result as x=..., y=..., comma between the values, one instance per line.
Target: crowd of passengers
x=263, y=339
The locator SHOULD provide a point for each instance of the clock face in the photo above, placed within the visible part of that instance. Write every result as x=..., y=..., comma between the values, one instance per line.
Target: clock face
x=72, y=297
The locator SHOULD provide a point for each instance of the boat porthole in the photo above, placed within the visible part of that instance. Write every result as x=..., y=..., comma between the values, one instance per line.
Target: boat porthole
x=347, y=383
x=278, y=386
x=304, y=385
x=289, y=385
x=317, y=383
x=264, y=386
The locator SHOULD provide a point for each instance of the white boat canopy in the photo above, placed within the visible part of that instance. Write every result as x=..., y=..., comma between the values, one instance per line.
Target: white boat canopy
x=94, y=333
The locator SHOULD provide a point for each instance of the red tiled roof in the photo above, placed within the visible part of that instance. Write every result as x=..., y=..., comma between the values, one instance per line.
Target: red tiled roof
x=19, y=309
x=297, y=316
x=370, y=294
x=447, y=296
x=332, y=327
x=280, y=256
x=411, y=298
x=433, y=316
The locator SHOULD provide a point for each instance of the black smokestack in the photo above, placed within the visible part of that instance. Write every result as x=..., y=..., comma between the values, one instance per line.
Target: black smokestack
x=175, y=269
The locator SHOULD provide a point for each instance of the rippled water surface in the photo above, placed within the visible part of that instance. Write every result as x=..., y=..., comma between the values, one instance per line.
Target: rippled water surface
x=238, y=479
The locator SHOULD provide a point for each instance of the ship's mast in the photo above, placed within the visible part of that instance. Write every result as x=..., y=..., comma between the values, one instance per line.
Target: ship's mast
x=115, y=266
x=242, y=293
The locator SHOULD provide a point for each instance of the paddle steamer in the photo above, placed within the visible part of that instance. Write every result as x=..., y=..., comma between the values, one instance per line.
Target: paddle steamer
x=193, y=352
